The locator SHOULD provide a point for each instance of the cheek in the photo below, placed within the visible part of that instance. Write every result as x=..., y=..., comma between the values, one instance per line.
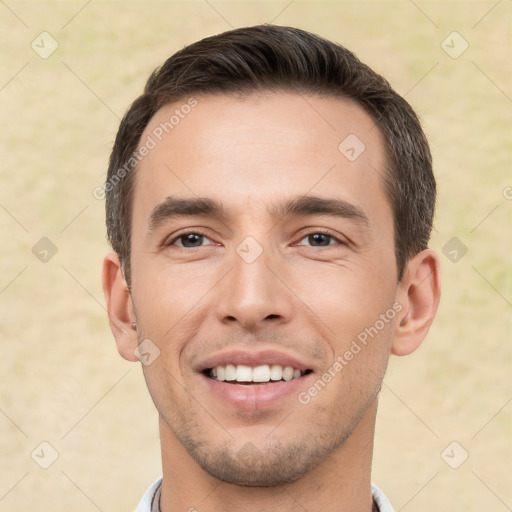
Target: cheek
x=168, y=391
x=165, y=297
x=357, y=310
x=348, y=298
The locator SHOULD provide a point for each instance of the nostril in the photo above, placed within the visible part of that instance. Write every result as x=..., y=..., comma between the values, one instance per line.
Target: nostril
x=271, y=317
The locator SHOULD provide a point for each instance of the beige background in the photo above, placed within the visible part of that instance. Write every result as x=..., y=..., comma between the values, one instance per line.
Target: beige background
x=62, y=379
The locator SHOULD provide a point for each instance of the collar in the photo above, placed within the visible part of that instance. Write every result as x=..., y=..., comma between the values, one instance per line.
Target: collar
x=151, y=500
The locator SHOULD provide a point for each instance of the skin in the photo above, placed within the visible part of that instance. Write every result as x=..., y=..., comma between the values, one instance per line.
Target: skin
x=300, y=297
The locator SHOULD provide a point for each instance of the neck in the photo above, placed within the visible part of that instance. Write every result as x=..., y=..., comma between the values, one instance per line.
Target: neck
x=342, y=482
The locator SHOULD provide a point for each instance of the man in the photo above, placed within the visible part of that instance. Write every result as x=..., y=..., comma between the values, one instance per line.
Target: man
x=269, y=203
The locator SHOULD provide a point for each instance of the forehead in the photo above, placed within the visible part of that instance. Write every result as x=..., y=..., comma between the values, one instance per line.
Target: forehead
x=259, y=148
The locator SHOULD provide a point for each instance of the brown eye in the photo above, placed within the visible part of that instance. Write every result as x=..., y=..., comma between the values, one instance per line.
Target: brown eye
x=190, y=240
x=320, y=239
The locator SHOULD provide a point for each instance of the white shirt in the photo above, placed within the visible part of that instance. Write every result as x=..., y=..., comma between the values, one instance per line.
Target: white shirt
x=147, y=505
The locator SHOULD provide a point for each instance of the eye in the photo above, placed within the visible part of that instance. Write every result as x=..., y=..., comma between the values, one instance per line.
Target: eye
x=320, y=239
x=191, y=239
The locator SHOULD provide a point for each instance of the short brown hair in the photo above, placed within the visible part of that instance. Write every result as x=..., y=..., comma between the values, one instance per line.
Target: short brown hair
x=274, y=58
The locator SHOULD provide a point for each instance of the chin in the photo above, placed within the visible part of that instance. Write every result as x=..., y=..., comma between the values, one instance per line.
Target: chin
x=275, y=464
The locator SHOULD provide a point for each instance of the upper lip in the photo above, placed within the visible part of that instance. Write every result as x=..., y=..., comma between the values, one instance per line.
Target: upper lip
x=253, y=358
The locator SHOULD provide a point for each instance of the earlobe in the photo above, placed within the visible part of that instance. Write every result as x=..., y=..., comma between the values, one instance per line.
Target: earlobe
x=119, y=306
x=419, y=293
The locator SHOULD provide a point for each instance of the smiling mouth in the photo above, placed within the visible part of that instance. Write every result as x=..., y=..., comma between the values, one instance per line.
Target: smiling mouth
x=251, y=375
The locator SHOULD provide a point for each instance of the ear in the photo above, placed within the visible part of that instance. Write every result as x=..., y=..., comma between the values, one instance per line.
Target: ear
x=121, y=314
x=419, y=293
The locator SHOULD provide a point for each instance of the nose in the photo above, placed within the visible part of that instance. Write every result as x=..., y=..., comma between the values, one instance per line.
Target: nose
x=255, y=294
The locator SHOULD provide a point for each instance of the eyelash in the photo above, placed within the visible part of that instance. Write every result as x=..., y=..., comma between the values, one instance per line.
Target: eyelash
x=325, y=232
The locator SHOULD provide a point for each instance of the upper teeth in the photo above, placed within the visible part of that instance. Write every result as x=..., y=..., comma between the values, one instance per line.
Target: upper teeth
x=263, y=373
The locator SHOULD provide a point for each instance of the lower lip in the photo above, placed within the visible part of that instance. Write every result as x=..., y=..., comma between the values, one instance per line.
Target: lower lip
x=257, y=396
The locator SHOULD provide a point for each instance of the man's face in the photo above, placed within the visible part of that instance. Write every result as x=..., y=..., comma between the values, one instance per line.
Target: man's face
x=263, y=284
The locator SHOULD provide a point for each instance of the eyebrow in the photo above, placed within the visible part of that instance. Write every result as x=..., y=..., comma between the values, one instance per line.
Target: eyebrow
x=184, y=207
x=312, y=205
x=173, y=207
